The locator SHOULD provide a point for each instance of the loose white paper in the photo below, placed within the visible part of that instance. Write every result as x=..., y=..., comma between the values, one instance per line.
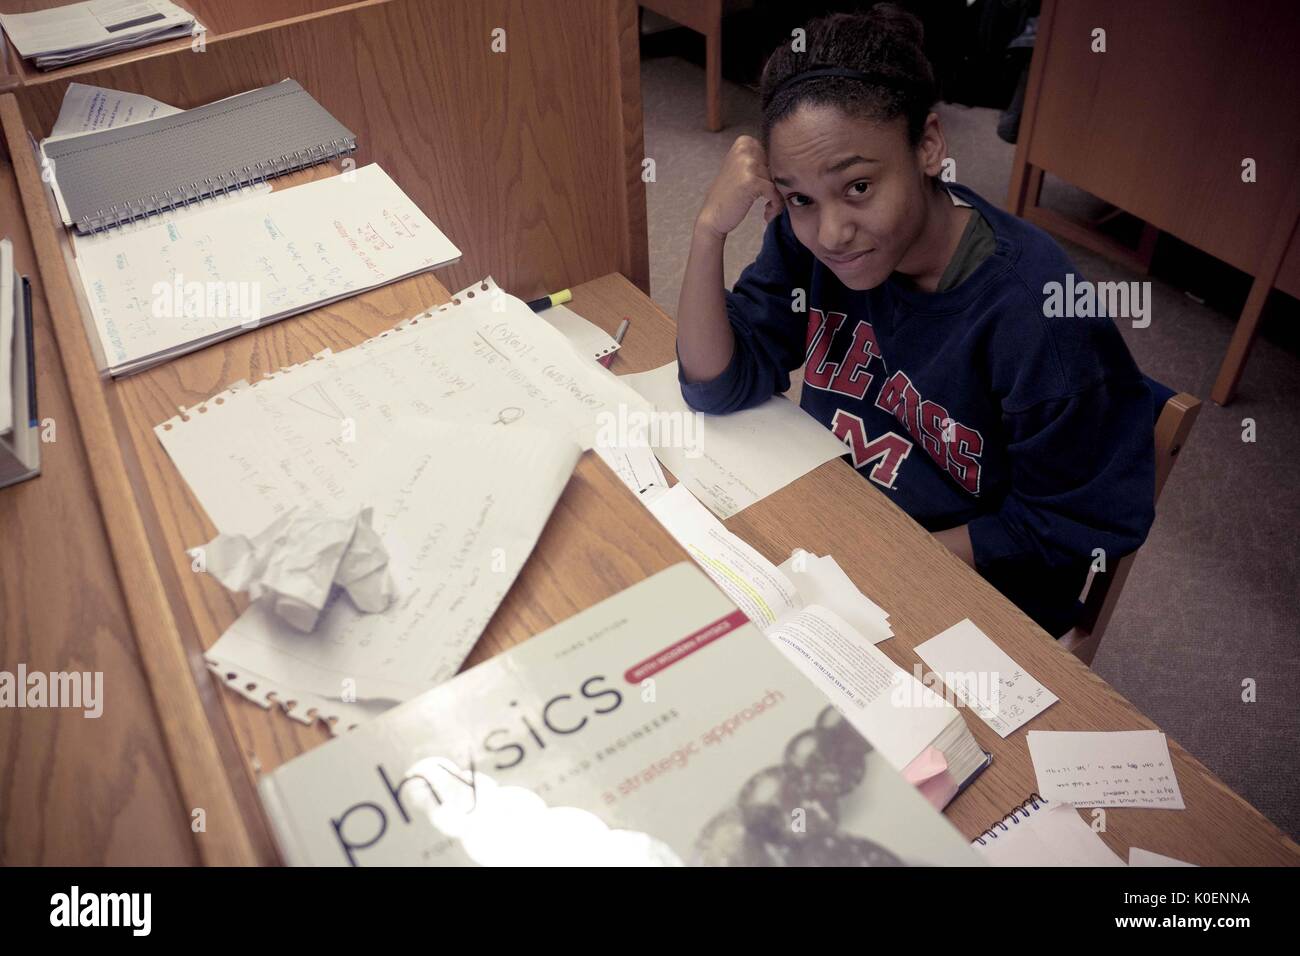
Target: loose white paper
x=762, y=590
x=985, y=678
x=462, y=363
x=1125, y=768
x=638, y=469
x=1054, y=835
x=295, y=563
x=1138, y=857
x=89, y=109
x=335, y=433
x=820, y=580
x=587, y=338
x=459, y=510
x=301, y=705
x=731, y=461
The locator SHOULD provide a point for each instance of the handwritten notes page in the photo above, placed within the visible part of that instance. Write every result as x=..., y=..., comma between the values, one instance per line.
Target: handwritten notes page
x=324, y=434
x=257, y=448
x=740, y=458
x=89, y=109
x=173, y=286
x=1125, y=768
x=638, y=469
x=459, y=511
x=985, y=678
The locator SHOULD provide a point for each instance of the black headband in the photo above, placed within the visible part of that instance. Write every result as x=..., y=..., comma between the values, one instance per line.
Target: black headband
x=816, y=73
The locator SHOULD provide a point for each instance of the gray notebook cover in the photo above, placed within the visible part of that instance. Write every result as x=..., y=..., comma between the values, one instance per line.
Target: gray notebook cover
x=121, y=174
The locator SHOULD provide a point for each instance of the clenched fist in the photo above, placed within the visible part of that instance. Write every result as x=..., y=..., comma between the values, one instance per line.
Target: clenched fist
x=742, y=179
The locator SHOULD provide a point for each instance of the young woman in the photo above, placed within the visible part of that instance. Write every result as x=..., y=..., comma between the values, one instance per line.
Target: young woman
x=917, y=309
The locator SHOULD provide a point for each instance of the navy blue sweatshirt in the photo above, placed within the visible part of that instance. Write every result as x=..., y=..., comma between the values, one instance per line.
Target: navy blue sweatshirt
x=968, y=406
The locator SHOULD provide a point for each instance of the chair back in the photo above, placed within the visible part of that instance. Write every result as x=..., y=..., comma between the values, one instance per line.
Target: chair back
x=1175, y=413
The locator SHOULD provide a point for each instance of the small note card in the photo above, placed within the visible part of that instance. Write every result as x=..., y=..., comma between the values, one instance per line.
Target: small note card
x=1123, y=768
x=984, y=678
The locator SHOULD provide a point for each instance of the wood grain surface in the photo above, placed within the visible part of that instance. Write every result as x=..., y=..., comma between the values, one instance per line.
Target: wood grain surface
x=496, y=179
x=529, y=159
x=1159, y=123
x=73, y=790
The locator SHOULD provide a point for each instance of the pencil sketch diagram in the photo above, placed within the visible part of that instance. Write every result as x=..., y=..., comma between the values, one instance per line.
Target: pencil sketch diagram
x=316, y=398
x=509, y=415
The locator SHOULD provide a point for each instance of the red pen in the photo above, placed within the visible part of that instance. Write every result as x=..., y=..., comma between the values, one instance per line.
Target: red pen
x=608, y=360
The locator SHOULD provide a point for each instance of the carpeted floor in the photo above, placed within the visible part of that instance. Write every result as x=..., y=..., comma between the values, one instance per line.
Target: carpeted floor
x=1213, y=597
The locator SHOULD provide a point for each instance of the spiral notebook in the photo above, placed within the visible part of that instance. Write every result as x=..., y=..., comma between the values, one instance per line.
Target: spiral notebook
x=1041, y=832
x=182, y=281
x=130, y=172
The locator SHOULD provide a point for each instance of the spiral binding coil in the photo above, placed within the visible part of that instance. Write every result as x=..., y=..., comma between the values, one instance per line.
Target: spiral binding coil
x=121, y=214
x=1015, y=816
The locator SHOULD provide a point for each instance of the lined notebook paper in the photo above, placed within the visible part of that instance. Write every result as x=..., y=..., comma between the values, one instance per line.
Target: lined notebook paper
x=118, y=175
x=194, y=279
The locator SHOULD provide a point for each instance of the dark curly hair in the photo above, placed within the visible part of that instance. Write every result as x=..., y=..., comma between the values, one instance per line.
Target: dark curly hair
x=885, y=42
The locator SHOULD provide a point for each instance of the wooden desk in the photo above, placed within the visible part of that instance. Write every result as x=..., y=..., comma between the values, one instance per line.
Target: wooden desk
x=891, y=558
x=530, y=158
x=73, y=791
x=115, y=568
x=598, y=535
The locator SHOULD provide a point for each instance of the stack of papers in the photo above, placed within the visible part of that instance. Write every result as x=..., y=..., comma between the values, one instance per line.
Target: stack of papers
x=83, y=31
